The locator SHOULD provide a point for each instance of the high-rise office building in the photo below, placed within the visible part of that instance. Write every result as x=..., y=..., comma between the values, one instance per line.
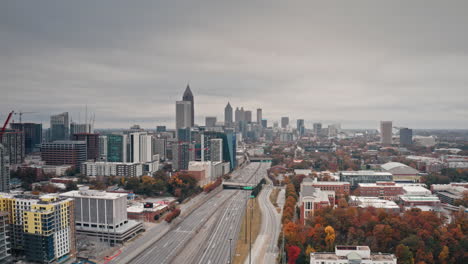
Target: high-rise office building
x=140, y=147
x=103, y=148
x=188, y=97
x=160, y=147
x=333, y=130
x=264, y=123
x=207, y=149
x=5, y=254
x=228, y=115
x=240, y=115
x=4, y=170
x=92, y=144
x=14, y=143
x=64, y=152
x=386, y=132
x=406, y=136
x=210, y=121
x=228, y=147
x=32, y=135
x=183, y=114
x=42, y=227
x=216, y=149
x=300, y=127
x=181, y=155
x=248, y=116
x=116, y=148
x=284, y=122
x=259, y=116
x=59, y=127
x=184, y=135
x=317, y=127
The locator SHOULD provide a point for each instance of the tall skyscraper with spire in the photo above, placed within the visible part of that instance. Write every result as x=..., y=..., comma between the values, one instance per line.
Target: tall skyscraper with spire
x=188, y=96
x=228, y=115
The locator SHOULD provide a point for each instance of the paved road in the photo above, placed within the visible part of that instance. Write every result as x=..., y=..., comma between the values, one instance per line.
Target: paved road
x=229, y=224
x=265, y=249
x=166, y=247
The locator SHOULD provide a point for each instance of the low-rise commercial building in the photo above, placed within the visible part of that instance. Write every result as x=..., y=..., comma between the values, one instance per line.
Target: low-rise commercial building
x=103, y=215
x=102, y=168
x=356, y=177
x=450, y=193
x=401, y=172
x=311, y=199
x=376, y=202
x=352, y=255
x=425, y=203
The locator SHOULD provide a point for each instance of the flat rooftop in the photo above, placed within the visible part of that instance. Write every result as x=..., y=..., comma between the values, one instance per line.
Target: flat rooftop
x=94, y=194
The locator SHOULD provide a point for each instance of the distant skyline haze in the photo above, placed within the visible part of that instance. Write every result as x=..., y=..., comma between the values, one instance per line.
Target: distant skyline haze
x=349, y=62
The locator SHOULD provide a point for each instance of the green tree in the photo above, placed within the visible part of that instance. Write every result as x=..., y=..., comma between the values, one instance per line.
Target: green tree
x=404, y=254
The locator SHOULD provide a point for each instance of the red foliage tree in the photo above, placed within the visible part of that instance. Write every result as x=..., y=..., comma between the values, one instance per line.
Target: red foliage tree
x=293, y=254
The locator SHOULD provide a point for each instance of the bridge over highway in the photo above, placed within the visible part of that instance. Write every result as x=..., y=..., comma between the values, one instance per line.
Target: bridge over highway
x=236, y=185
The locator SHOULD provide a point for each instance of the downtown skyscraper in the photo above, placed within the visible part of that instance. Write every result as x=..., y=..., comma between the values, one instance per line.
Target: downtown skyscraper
x=188, y=97
x=228, y=115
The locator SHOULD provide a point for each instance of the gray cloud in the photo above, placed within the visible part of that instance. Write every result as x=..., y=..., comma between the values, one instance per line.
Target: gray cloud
x=355, y=62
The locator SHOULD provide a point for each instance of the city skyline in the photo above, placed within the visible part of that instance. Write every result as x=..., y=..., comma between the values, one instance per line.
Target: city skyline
x=308, y=61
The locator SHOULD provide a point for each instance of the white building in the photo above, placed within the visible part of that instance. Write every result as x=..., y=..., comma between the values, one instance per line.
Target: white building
x=311, y=199
x=140, y=147
x=429, y=141
x=352, y=254
x=376, y=202
x=102, y=168
x=103, y=214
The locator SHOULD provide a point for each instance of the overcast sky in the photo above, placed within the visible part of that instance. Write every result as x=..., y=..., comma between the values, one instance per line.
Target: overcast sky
x=354, y=62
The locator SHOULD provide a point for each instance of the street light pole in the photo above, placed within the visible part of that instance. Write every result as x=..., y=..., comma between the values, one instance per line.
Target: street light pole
x=250, y=244
x=230, y=257
x=246, y=212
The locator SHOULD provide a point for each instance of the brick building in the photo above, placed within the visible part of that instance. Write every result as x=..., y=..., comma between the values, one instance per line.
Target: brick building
x=383, y=190
x=64, y=152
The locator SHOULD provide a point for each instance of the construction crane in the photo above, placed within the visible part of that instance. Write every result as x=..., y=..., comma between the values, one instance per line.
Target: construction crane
x=5, y=125
x=20, y=113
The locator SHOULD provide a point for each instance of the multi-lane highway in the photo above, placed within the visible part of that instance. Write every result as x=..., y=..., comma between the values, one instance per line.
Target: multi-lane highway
x=227, y=207
x=228, y=226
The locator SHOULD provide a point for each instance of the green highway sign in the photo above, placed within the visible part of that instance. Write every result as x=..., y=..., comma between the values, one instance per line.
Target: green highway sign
x=252, y=196
x=248, y=188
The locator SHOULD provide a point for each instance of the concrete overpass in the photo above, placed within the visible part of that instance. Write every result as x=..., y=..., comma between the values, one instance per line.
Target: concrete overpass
x=236, y=185
x=260, y=159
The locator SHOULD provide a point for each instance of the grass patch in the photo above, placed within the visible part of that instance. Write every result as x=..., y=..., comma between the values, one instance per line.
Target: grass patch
x=274, y=197
x=242, y=248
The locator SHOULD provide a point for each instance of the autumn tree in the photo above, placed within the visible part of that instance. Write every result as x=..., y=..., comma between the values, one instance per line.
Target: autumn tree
x=404, y=255
x=293, y=254
x=330, y=238
x=444, y=254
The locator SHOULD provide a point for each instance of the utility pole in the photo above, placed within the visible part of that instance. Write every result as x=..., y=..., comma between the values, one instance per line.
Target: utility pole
x=250, y=244
x=246, y=212
x=230, y=257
